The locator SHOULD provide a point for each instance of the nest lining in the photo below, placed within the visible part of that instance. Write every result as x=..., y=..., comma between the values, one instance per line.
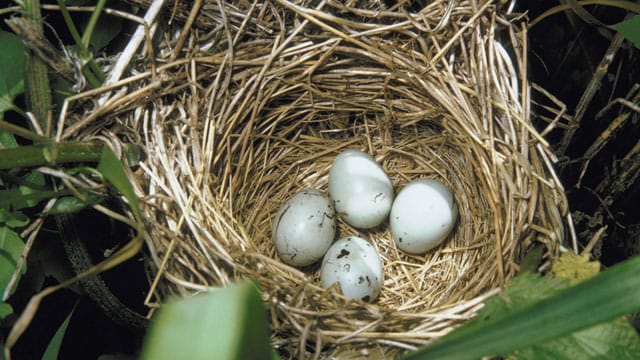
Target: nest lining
x=433, y=94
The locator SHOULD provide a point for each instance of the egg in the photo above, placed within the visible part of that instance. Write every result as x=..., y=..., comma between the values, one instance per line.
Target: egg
x=304, y=228
x=361, y=190
x=422, y=215
x=354, y=264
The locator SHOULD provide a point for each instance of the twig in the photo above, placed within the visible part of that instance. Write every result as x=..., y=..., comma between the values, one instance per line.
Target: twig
x=131, y=48
x=591, y=91
x=185, y=29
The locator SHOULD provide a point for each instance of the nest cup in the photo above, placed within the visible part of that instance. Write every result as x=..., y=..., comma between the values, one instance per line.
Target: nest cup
x=261, y=103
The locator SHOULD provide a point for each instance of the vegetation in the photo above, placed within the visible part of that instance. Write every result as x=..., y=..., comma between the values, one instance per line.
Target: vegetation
x=42, y=177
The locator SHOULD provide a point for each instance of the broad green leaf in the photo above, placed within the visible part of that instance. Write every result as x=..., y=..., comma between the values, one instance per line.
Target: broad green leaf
x=630, y=29
x=107, y=28
x=7, y=139
x=113, y=171
x=15, y=199
x=613, y=340
x=11, y=247
x=523, y=290
x=12, y=61
x=71, y=204
x=12, y=199
x=35, y=182
x=53, y=348
x=5, y=310
x=223, y=324
x=13, y=219
x=603, y=298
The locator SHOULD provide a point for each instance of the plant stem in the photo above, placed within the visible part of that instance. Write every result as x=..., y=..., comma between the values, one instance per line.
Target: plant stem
x=86, y=38
x=91, y=25
x=50, y=154
x=22, y=132
x=36, y=78
x=35, y=197
x=94, y=74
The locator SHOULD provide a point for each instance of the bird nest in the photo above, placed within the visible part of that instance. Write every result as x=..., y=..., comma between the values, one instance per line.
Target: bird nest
x=266, y=94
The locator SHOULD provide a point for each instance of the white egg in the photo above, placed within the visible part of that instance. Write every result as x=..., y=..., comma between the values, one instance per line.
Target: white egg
x=422, y=216
x=362, y=192
x=353, y=263
x=304, y=228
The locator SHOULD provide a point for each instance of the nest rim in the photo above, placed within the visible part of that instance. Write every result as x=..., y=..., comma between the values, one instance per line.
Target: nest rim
x=207, y=173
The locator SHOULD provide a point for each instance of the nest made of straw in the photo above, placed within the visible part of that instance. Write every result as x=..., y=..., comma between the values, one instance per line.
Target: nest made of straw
x=258, y=105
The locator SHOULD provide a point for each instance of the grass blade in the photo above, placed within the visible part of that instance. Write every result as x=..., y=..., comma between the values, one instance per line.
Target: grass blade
x=52, y=350
x=608, y=295
x=113, y=171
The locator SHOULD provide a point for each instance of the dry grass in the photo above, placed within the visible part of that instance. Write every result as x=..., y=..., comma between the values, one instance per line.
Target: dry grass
x=264, y=95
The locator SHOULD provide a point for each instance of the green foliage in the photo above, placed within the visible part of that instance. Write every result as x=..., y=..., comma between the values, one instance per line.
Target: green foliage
x=33, y=182
x=613, y=340
x=50, y=154
x=630, y=29
x=92, y=72
x=222, y=324
x=7, y=139
x=12, y=61
x=72, y=204
x=5, y=310
x=543, y=318
x=21, y=190
x=11, y=247
x=113, y=171
x=52, y=350
x=12, y=219
x=28, y=192
x=107, y=28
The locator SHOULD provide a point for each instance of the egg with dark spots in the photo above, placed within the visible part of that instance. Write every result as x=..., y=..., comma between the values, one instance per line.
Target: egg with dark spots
x=304, y=228
x=354, y=264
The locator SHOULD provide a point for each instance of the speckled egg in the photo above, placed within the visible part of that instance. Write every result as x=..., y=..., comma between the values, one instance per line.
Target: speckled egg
x=304, y=228
x=355, y=265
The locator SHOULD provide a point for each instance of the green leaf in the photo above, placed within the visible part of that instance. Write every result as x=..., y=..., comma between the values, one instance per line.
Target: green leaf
x=613, y=340
x=107, y=28
x=630, y=29
x=71, y=204
x=523, y=290
x=15, y=200
x=13, y=219
x=222, y=324
x=52, y=350
x=35, y=182
x=605, y=297
x=113, y=171
x=11, y=247
x=5, y=310
x=7, y=139
x=12, y=60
